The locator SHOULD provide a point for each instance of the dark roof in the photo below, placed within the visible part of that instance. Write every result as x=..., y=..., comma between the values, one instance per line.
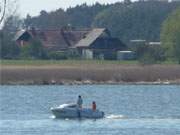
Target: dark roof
x=61, y=39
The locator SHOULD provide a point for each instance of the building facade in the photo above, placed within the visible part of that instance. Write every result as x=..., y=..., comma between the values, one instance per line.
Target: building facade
x=94, y=43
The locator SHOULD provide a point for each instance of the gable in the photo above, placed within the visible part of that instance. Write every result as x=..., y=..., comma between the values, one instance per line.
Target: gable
x=22, y=35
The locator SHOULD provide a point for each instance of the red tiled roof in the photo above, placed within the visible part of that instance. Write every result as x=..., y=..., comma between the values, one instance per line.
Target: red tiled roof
x=56, y=39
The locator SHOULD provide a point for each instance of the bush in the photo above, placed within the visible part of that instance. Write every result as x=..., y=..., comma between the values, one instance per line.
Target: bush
x=57, y=55
x=105, y=55
x=147, y=59
x=8, y=48
x=150, y=54
x=33, y=50
x=73, y=54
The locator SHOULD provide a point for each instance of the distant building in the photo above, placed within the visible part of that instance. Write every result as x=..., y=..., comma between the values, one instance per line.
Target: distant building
x=134, y=44
x=154, y=43
x=90, y=43
x=126, y=55
x=140, y=42
x=98, y=43
x=52, y=40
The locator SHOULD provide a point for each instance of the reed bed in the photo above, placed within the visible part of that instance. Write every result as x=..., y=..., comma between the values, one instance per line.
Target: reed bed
x=88, y=74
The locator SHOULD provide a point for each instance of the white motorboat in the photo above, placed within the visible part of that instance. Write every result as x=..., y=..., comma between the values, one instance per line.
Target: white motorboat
x=72, y=111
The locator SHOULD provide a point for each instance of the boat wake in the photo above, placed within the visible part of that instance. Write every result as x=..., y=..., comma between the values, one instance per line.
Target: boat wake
x=52, y=117
x=112, y=116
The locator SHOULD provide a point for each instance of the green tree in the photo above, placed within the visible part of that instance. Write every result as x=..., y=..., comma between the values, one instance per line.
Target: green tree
x=170, y=35
x=33, y=50
x=8, y=47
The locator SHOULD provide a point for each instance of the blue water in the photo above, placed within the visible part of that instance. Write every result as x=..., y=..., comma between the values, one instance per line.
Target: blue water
x=129, y=109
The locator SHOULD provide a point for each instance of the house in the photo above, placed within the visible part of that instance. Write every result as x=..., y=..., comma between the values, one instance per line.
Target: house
x=52, y=40
x=90, y=43
x=99, y=44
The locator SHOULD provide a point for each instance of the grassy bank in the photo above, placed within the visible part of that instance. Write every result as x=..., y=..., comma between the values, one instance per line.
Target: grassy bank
x=62, y=62
x=78, y=72
x=75, y=62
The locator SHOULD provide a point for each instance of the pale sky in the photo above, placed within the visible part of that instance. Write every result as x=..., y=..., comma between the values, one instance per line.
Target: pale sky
x=33, y=7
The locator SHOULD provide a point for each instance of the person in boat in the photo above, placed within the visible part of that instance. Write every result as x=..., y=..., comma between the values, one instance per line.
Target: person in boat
x=79, y=102
x=94, y=106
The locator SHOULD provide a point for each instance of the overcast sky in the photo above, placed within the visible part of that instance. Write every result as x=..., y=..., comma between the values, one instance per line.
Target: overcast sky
x=33, y=7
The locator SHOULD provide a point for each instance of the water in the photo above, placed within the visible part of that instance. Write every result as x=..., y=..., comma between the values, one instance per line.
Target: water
x=130, y=110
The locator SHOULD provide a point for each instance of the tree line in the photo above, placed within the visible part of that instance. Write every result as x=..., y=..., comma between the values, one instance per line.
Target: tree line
x=126, y=20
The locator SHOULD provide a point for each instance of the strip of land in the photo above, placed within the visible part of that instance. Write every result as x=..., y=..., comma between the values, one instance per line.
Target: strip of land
x=84, y=72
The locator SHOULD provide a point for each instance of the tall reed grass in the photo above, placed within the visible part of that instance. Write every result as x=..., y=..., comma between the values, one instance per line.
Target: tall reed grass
x=88, y=72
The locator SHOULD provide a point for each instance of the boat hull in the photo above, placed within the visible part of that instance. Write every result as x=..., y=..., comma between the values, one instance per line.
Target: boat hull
x=77, y=113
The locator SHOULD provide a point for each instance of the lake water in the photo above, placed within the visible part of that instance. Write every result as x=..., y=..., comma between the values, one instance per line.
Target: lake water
x=129, y=109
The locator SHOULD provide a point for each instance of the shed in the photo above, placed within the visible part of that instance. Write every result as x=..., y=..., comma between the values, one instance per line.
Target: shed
x=126, y=55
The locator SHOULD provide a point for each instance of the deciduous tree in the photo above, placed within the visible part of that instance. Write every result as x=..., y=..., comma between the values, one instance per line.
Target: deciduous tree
x=170, y=35
x=2, y=10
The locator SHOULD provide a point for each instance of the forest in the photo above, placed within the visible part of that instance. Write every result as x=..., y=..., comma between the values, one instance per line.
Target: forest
x=137, y=20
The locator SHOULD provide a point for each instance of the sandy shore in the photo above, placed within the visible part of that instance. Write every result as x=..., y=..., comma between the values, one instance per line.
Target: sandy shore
x=89, y=74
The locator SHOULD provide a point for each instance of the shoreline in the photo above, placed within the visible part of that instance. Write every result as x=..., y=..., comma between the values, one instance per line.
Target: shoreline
x=88, y=82
x=90, y=74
